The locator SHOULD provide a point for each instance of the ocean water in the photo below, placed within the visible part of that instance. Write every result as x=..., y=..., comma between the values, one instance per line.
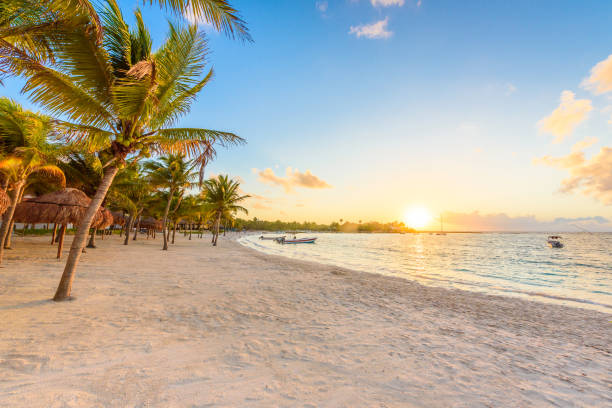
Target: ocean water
x=496, y=263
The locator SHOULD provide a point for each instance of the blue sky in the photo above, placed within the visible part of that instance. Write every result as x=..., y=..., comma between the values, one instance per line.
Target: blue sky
x=441, y=109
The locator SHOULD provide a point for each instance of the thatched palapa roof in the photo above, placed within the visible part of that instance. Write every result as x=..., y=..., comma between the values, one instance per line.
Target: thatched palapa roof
x=104, y=218
x=5, y=201
x=150, y=222
x=65, y=206
x=118, y=218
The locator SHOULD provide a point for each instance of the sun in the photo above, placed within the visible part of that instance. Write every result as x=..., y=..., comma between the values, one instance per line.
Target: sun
x=417, y=217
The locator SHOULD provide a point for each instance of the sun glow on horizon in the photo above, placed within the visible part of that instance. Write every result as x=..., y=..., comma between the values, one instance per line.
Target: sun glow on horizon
x=417, y=217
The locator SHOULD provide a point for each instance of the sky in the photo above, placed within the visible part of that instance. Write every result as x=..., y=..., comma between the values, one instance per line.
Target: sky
x=496, y=115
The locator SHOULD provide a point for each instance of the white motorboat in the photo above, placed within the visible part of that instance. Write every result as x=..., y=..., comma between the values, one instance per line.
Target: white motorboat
x=271, y=238
x=554, y=241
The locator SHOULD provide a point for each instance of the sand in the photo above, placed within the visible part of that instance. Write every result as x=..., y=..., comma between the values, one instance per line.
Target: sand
x=199, y=326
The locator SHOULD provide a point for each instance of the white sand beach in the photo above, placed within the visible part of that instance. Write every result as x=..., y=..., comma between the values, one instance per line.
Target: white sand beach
x=198, y=326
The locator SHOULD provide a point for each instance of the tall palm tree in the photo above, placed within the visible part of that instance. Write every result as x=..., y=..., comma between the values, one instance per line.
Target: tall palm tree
x=122, y=100
x=222, y=195
x=174, y=175
x=25, y=141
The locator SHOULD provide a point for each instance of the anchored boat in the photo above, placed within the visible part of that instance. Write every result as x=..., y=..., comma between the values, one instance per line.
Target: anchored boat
x=296, y=241
x=271, y=238
x=554, y=241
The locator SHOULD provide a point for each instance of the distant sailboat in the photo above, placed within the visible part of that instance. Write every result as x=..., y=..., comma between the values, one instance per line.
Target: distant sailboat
x=441, y=227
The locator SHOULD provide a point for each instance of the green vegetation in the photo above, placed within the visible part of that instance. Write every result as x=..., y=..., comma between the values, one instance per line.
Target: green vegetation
x=369, y=227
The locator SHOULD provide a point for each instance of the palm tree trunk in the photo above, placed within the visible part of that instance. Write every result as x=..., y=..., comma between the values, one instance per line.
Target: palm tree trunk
x=173, y=231
x=53, y=234
x=128, y=230
x=7, y=240
x=137, y=228
x=65, y=285
x=60, y=245
x=8, y=217
x=165, y=220
x=92, y=238
x=217, y=225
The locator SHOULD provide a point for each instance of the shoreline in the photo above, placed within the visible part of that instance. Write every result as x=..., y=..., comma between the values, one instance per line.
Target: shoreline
x=534, y=296
x=232, y=326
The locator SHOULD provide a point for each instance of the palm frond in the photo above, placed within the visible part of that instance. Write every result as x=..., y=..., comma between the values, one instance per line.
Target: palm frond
x=58, y=93
x=218, y=13
x=53, y=171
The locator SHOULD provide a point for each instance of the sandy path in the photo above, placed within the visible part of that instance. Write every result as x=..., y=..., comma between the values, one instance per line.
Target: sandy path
x=229, y=327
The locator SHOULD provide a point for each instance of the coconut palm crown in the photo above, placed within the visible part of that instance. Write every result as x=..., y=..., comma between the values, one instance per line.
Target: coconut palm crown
x=174, y=175
x=28, y=27
x=222, y=197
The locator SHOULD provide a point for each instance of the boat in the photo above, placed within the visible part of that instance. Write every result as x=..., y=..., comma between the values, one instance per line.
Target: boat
x=296, y=240
x=270, y=238
x=554, y=241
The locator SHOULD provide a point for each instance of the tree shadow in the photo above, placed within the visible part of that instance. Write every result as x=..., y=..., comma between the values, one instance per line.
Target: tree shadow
x=25, y=305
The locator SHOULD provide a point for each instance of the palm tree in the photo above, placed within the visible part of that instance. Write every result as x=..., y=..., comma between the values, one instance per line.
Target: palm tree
x=222, y=195
x=174, y=175
x=130, y=192
x=25, y=138
x=122, y=100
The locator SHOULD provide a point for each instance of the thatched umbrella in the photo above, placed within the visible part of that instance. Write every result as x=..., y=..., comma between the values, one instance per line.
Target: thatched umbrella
x=102, y=219
x=5, y=201
x=118, y=218
x=61, y=207
x=151, y=224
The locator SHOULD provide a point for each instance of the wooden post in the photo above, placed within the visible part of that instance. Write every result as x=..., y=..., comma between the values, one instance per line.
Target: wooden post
x=53, y=234
x=60, y=246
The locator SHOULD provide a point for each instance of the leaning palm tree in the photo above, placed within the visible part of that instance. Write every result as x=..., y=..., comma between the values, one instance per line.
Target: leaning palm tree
x=25, y=141
x=121, y=100
x=18, y=168
x=222, y=195
x=174, y=175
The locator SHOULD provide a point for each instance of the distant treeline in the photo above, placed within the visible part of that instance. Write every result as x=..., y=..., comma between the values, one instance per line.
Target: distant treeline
x=278, y=225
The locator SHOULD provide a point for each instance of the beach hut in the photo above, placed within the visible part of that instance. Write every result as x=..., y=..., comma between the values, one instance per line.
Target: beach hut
x=5, y=201
x=60, y=207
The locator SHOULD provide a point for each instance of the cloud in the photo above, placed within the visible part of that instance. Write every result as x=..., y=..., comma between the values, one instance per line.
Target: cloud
x=261, y=206
x=322, y=6
x=592, y=177
x=600, y=80
x=374, y=31
x=510, y=89
x=388, y=3
x=259, y=202
x=597, y=219
x=293, y=178
x=476, y=221
x=570, y=112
